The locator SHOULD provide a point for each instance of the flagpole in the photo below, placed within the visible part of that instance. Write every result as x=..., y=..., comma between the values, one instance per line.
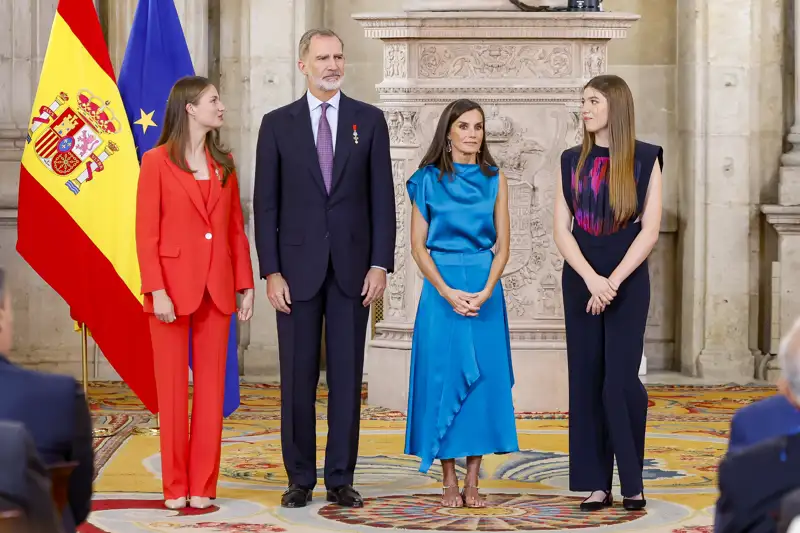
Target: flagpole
x=96, y=432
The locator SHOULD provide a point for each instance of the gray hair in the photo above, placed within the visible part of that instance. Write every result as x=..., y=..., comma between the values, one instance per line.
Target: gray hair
x=305, y=40
x=789, y=355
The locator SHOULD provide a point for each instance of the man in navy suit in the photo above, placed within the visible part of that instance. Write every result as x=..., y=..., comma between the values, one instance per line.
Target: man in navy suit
x=54, y=411
x=325, y=234
x=777, y=415
x=753, y=482
x=24, y=483
x=759, y=423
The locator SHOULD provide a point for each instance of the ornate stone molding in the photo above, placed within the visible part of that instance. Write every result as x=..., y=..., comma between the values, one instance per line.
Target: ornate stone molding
x=12, y=143
x=8, y=218
x=395, y=302
x=530, y=335
x=496, y=25
x=785, y=219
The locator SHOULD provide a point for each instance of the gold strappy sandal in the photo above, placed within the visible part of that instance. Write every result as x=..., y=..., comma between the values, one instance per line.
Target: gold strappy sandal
x=456, y=502
x=478, y=502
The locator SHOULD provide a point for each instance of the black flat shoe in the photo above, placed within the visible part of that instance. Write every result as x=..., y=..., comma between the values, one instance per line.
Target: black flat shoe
x=346, y=496
x=597, y=506
x=634, y=505
x=296, y=496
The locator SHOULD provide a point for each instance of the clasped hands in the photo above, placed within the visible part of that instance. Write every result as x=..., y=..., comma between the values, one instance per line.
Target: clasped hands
x=603, y=291
x=466, y=303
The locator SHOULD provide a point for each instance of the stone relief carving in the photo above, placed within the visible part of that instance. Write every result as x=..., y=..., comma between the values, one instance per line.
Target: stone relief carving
x=550, y=303
x=513, y=92
x=594, y=60
x=397, y=281
x=494, y=61
x=531, y=165
x=395, y=60
x=402, y=126
x=577, y=130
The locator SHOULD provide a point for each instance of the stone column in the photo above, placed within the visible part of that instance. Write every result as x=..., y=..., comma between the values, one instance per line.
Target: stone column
x=528, y=71
x=784, y=217
x=723, y=85
x=258, y=74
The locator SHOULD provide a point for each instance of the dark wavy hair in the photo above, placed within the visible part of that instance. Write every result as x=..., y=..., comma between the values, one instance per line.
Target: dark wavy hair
x=438, y=155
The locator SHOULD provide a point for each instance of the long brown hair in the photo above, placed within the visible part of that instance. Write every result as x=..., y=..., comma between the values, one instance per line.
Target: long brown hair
x=438, y=155
x=621, y=145
x=175, y=133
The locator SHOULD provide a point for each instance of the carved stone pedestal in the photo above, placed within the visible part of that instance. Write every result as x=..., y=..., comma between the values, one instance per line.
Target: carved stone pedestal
x=785, y=281
x=527, y=70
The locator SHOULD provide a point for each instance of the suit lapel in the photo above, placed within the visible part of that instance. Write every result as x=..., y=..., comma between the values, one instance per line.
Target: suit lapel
x=304, y=135
x=344, y=138
x=187, y=181
x=215, y=175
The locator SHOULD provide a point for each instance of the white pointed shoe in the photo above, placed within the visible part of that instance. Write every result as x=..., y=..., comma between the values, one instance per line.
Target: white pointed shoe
x=177, y=503
x=199, y=502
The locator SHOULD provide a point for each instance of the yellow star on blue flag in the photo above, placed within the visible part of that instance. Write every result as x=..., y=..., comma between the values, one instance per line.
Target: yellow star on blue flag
x=146, y=120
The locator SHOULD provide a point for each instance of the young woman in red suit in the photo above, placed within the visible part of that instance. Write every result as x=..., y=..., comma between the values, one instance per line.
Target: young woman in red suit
x=194, y=257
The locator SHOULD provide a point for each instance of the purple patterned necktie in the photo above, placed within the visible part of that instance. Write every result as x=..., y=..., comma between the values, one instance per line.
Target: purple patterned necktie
x=325, y=148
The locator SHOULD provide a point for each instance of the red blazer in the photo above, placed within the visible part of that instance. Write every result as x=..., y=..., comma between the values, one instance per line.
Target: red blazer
x=184, y=245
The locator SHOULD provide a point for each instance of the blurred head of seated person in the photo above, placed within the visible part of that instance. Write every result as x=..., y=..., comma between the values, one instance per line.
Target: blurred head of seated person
x=790, y=513
x=24, y=483
x=53, y=410
x=779, y=414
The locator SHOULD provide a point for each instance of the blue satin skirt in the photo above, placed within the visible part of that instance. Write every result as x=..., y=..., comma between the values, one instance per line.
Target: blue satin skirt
x=459, y=401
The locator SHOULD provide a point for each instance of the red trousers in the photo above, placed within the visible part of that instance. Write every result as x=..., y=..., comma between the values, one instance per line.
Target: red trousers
x=190, y=466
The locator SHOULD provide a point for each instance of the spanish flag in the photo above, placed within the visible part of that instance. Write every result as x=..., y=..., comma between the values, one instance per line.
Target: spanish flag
x=77, y=195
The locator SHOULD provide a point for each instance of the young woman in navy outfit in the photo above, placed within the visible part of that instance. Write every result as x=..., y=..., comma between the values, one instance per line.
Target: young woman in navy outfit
x=607, y=219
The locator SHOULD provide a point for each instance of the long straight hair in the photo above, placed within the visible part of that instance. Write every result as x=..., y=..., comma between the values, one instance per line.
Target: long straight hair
x=621, y=145
x=175, y=133
x=438, y=155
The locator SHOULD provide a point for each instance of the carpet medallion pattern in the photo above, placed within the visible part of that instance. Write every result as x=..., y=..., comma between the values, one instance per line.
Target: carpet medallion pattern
x=527, y=491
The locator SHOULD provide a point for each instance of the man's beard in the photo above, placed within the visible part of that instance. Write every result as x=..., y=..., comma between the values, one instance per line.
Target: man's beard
x=325, y=85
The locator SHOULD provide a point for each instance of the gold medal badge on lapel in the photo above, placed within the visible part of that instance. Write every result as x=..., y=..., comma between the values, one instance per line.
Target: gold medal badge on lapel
x=355, y=134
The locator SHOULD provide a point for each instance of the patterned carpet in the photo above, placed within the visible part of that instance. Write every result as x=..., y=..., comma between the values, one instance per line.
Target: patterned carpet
x=527, y=491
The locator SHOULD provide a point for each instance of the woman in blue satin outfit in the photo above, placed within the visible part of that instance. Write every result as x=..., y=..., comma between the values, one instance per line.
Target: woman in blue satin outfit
x=459, y=401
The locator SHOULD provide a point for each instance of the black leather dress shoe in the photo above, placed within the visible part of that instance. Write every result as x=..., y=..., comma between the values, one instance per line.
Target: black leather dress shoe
x=346, y=496
x=296, y=496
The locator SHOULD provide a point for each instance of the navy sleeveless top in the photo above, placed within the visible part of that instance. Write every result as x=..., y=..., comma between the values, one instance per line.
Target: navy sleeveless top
x=588, y=196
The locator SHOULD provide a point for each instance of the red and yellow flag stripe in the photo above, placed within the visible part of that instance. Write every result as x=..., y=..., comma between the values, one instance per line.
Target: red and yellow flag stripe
x=77, y=195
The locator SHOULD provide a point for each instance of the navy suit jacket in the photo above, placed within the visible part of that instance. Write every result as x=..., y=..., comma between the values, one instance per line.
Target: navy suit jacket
x=24, y=483
x=752, y=483
x=54, y=411
x=762, y=420
x=299, y=228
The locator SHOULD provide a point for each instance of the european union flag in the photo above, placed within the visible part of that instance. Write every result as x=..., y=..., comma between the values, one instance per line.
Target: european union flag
x=156, y=57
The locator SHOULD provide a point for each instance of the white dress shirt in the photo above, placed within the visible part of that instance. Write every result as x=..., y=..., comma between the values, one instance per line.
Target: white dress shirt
x=315, y=108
